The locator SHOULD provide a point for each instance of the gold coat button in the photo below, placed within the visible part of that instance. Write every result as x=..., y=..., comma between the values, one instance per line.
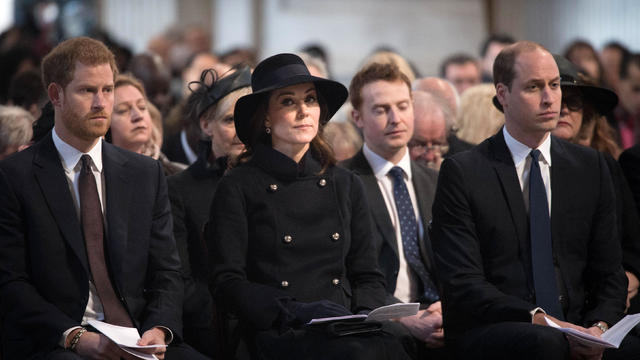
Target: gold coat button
x=273, y=187
x=322, y=182
x=284, y=283
x=335, y=236
x=287, y=239
x=336, y=282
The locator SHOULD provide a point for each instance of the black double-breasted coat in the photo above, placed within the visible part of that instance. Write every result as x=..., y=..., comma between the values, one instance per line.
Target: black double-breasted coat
x=280, y=231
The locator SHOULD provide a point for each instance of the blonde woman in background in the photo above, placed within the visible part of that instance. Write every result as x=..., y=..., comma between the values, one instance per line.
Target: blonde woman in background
x=478, y=118
x=15, y=130
x=343, y=138
x=132, y=127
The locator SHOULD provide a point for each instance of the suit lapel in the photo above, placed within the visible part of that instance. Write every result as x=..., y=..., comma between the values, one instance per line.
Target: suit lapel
x=505, y=169
x=376, y=201
x=421, y=184
x=118, y=195
x=560, y=188
x=54, y=185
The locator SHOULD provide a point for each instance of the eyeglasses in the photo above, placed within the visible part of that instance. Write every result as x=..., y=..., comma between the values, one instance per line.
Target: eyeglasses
x=573, y=100
x=423, y=147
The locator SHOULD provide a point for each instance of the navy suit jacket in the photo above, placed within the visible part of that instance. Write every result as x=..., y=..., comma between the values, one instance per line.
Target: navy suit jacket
x=424, y=182
x=481, y=238
x=44, y=271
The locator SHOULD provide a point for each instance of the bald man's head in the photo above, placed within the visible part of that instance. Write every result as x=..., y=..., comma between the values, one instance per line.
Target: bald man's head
x=433, y=122
x=440, y=88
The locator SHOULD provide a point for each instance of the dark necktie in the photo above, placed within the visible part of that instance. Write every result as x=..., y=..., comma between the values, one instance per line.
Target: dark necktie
x=544, y=277
x=93, y=229
x=409, y=232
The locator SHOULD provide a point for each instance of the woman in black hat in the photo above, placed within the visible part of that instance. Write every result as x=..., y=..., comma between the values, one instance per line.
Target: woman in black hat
x=210, y=105
x=582, y=121
x=290, y=236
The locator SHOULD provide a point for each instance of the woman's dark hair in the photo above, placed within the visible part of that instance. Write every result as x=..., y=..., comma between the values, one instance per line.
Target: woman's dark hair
x=319, y=147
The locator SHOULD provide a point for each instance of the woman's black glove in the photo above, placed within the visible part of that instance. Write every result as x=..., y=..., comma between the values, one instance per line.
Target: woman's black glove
x=299, y=313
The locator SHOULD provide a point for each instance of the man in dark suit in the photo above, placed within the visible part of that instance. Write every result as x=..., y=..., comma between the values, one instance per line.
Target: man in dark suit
x=524, y=228
x=381, y=98
x=85, y=228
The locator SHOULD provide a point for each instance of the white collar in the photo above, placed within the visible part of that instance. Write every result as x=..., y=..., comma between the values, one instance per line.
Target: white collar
x=381, y=166
x=71, y=156
x=520, y=151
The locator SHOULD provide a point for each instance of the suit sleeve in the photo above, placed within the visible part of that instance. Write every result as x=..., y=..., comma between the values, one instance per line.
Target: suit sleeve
x=164, y=287
x=180, y=231
x=606, y=282
x=629, y=223
x=227, y=239
x=459, y=260
x=362, y=270
x=20, y=300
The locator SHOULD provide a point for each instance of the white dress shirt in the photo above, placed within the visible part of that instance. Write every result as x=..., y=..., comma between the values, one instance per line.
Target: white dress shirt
x=520, y=155
x=188, y=152
x=72, y=165
x=407, y=282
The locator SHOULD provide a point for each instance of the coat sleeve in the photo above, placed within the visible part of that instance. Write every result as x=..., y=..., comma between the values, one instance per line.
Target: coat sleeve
x=163, y=285
x=466, y=290
x=227, y=239
x=20, y=300
x=606, y=283
x=180, y=231
x=366, y=279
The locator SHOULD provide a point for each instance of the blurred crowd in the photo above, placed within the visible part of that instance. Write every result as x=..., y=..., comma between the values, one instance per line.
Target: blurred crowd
x=174, y=61
x=168, y=105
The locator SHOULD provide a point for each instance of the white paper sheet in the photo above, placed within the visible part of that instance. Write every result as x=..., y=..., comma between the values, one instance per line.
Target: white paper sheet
x=125, y=337
x=610, y=339
x=382, y=313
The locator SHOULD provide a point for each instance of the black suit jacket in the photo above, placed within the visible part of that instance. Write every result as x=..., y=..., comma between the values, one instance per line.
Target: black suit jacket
x=44, y=271
x=191, y=193
x=172, y=148
x=424, y=182
x=481, y=238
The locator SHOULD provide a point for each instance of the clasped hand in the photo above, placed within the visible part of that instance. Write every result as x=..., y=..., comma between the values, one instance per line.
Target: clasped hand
x=577, y=349
x=97, y=346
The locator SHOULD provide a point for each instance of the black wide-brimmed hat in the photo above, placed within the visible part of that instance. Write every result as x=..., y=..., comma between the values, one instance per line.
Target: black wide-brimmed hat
x=602, y=98
x=277, y=72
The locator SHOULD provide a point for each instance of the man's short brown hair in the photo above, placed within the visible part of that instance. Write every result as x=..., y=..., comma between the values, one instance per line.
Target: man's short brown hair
x=59, y=64
x=503, y=67
x=374, y=72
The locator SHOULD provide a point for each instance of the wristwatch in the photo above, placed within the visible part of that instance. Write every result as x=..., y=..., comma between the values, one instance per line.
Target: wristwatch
x=602, y=326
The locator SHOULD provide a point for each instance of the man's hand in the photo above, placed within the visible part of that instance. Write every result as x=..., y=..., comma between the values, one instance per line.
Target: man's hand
x=632, y=288
x=97, y=346
x=154, y=336
x=578, y=350
x=426, y=325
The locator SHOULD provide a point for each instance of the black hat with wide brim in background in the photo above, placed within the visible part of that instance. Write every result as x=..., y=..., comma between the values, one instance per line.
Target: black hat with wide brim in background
x=603, y=99
x=277, y=72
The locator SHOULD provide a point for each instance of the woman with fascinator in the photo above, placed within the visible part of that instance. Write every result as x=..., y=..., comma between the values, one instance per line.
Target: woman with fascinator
x=211, y=105
x=290, y=237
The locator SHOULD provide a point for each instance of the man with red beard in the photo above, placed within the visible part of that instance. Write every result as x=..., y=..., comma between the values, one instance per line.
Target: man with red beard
x=85, y=228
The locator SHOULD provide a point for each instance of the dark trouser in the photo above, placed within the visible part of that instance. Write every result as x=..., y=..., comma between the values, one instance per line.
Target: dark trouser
x=629, y=349
x=316, y=345
x=512, y=340
x=174, y=352
x=417, y=349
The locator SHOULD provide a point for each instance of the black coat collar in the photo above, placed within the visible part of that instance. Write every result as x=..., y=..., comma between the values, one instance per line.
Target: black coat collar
x=202, y=168
x=283, y=167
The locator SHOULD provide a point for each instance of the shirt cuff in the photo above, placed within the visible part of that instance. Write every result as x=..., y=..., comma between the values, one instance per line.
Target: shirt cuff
x=168, y=334
x=65, y=335
x=535, y=311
